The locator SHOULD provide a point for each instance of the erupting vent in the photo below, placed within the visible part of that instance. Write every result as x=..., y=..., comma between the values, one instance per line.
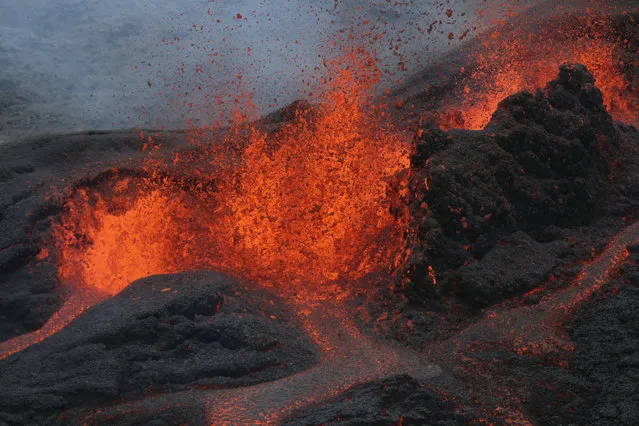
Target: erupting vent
x=510, y=59
x=316, y=202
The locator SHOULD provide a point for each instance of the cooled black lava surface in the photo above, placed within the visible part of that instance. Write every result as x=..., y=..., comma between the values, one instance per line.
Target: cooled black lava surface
x=396, y=400
x=493, y=205
x=162, y=333
x=606, y=358
x=599, y=385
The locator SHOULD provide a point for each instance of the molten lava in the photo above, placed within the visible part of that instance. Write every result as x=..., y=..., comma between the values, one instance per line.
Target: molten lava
x=116, y=247
x=320, y=198
x=511, y=60
x=310, y=204
x=315, y=203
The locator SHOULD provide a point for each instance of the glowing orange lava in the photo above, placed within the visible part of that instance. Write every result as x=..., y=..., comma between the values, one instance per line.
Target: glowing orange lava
x=515, y=60
x=315, y=204
x=116, y=248
x=317, y=207
x=309, y=204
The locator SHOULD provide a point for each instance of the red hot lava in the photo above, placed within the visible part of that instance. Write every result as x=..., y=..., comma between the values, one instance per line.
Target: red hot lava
x=316, y=193
x=304, y=209
x=509, y=59
x=306, y=206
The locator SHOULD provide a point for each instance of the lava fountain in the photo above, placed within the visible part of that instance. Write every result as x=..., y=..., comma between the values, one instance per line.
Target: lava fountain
x=511, y=58
x=306, y=209
x=312, y=206
x=313, y=203
x=308, y=205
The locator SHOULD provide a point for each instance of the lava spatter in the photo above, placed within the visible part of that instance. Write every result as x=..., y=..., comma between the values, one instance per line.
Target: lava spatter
x=316, y=193
x=510, y=58
x=304, y=209
x=305, y=206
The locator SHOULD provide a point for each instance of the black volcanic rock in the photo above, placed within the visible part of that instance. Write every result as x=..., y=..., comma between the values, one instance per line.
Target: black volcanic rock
x=600, y=383
x=517, y=264
x=560, y=138
x=606, y=336
x=36, y=175
x=494, y=211
x=163, y=333
x=396, y=400
x=544, y=159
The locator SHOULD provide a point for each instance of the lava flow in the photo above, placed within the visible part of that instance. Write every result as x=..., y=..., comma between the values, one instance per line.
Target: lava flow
x=530, y=330
x=348, y=357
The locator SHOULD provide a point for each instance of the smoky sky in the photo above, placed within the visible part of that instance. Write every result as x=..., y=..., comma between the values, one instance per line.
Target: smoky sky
x=69, y=65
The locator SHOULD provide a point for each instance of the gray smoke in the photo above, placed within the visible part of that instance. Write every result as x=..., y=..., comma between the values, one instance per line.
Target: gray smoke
x=70, y=65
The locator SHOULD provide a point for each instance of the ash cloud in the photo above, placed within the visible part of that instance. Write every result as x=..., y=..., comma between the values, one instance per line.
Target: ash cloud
x=71, y=65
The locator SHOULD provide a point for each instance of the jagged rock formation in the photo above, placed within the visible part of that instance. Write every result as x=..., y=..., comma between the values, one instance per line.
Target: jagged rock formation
x=544, y=161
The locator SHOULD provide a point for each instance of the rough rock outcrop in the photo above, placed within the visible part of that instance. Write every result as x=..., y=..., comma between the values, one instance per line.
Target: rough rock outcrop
x=163, y=333
x=396, y=400
x=544, y=160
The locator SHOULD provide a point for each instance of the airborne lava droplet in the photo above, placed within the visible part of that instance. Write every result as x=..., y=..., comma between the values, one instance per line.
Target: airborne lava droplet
x=512, y=59
x=316, y=193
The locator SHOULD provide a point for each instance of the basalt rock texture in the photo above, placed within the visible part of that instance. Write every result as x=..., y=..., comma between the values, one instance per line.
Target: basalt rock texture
x=396, y=400
x=606, y=336
x=598, y=383
x=547, y=160
x=161, y=334
x=517, y=264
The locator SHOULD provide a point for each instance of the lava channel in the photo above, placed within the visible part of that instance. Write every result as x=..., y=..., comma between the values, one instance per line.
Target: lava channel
x=348, y=357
